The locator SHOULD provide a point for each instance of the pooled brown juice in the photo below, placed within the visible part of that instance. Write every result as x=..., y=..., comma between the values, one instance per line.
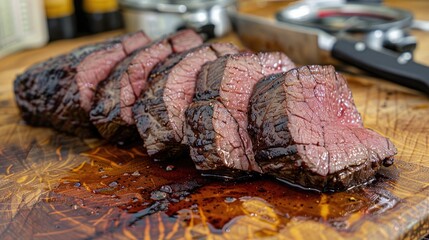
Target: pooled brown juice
x=139, y=188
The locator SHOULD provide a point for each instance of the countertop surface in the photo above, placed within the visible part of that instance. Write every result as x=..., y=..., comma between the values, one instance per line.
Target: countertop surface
x=48, y=185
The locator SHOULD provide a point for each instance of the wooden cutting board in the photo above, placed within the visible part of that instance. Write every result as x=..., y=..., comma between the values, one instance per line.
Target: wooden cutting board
x=56, y=186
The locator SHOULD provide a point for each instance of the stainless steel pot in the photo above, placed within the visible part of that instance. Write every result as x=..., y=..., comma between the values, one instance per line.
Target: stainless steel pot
x=157, y=18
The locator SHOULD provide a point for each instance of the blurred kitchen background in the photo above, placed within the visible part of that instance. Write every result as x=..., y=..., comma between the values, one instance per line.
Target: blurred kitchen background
x=28, y=24
x=33, y=23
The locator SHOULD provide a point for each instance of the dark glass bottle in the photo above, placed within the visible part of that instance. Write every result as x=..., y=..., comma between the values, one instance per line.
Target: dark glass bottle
x=61, y=19
x=102, y=15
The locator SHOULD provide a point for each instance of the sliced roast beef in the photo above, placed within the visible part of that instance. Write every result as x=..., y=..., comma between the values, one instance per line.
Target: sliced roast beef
x=159, y=113
x=59, y=91
x=111, y=113
x=306, y=129
x=217, y=120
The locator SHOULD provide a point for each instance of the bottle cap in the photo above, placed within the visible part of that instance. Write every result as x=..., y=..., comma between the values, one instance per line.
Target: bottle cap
x=59, y=8
x=100, y=6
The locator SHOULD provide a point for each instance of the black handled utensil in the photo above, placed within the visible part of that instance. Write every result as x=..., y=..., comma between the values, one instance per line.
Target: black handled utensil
x=401, y=70
x=314, y=34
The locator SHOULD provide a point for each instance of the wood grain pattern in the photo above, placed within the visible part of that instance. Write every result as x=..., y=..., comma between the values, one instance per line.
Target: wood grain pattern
x=56, y=186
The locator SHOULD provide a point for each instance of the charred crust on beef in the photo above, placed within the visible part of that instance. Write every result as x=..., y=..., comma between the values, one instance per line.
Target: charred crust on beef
x=214, y=139
x=159, y=113
x=306, y=129
x=221, y=101
x=112, y=109
x=58, y=92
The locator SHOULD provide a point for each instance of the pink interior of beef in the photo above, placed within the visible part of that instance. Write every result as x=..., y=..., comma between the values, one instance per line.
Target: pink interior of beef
x=180, y=87
x=135, y=41
x=135, y=80
x=241, y=74
x=274, y=62
x=185, y=40
x=142, y=64
x=95, y=68
x=230, y=146
x=325, y=123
